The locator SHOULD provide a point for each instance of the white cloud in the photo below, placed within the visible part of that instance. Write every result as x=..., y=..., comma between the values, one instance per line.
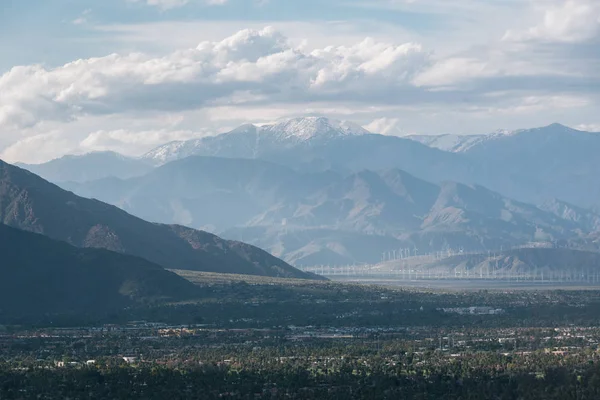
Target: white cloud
x=453, y=71
x=588, y=127
x=46, y=146
x=169, y=4
x=83, y=18
x=386, y=126
x=255, y=62
x=259, y=75
x=366, y=60
x=563, y=21
x=132, y=143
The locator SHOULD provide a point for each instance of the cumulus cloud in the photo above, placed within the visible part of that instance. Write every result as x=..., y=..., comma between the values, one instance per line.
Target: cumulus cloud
x=255, y=62
x=46, y=146
x=452, y=71
x=111, y=102
x=564, y=21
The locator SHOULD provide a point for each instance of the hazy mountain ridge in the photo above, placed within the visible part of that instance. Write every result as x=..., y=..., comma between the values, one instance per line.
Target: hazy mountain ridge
x=296, y=215
x=89, y=167
x=543, y=163
x=588, y=219
x=530, y=165
x=456, y=143
x=30, y=203
x=311, y=176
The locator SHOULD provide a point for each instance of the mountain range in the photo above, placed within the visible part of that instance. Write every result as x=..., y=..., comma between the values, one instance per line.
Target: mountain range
x=30, y=203
x=310, y=191
x=532, y=164
x=529, y=165
x=251, y=141
x=333, y=217
x=315, y=190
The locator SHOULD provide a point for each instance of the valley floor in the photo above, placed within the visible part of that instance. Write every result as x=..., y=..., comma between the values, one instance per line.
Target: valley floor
x=467, y=284
x=252, y=337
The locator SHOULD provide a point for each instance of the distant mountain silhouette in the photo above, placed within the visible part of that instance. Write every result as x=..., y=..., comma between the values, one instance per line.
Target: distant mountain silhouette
x=534, y=165
x=89, y=167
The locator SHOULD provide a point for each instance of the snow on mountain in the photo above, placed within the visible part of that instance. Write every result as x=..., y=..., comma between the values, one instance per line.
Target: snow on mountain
x=247, y=140
x=170, y=151
x=304, y=129
x=458, y=143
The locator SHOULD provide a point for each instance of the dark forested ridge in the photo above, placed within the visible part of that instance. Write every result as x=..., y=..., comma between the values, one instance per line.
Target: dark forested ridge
x=41, y=276
x=30, y=203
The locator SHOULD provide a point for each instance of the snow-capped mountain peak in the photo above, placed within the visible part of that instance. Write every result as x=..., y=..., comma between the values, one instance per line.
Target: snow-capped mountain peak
x=172, y=151
x=304, y=129
x=249, y=140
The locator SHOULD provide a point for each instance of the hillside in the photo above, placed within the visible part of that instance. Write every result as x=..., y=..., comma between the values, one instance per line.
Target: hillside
x=30, y=203
x=530, y=165
x=39, y=275
x=251, y=141
x=534, y=165
x=556, y=262
x=329, y=217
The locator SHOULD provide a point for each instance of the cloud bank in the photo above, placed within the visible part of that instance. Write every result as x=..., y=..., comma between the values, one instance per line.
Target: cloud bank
x=133, y=101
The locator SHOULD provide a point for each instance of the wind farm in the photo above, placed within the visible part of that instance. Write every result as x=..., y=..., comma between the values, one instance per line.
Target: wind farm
x=511, y=267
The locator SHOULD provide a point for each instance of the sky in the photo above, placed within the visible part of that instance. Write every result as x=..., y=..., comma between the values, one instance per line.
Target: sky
x=128, y=75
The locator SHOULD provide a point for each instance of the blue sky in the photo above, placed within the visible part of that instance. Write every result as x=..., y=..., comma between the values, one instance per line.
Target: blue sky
x=127, y=75
x=42, y=31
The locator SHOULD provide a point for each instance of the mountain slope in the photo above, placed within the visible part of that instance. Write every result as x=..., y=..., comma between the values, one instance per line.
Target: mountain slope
x=31, y=203
x=330, y=216
x=554, y=262
x=208, y=192
x=250, y=141
x=533, y=165
x=587, y=219
x=320, y=144
x=544, y=163
x=39, y=275
x=89, y=167
x=455, y=143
